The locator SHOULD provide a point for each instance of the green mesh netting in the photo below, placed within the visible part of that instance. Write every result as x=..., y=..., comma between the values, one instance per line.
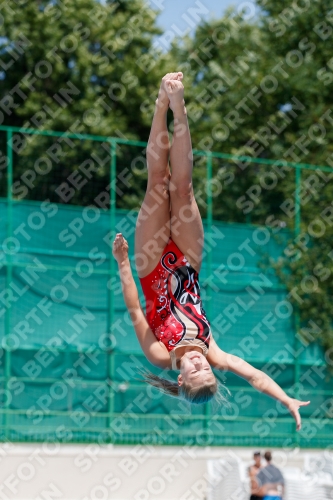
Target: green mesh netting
x=69, y=354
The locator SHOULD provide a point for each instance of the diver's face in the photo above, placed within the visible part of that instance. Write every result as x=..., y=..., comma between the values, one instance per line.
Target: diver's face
x=195, y=370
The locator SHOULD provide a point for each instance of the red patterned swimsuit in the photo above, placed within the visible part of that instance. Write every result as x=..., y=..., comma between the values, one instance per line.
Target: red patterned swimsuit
x=173, y=305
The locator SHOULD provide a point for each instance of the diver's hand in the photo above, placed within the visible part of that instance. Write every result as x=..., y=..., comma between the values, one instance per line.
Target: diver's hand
x=120, y=248
x=293, y=406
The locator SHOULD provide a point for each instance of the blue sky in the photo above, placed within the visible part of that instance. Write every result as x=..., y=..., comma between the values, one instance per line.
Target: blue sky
x=183, y=15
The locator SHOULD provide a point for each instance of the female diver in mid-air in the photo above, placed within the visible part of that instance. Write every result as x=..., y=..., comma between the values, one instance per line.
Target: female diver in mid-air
x=175, y=332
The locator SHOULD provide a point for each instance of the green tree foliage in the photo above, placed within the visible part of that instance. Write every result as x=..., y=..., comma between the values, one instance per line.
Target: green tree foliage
x=81, y=66
x=94, y=50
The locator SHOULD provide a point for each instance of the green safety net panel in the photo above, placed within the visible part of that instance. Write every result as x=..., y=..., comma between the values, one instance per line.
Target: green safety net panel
x=70, y=357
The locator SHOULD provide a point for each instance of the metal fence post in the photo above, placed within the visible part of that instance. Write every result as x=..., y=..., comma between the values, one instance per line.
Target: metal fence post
x=297, y=230
x=111, y=360
x=209, y=260
x=209, y=257
x=9, y=275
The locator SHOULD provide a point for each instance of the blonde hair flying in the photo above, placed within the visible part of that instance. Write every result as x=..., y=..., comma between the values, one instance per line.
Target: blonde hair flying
x=196, y=395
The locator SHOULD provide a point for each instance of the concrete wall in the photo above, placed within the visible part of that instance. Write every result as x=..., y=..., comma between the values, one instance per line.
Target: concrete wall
x=91, y=472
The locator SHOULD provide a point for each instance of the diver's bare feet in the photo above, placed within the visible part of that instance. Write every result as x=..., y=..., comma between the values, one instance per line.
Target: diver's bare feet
x=175, y=93
x=162, y=102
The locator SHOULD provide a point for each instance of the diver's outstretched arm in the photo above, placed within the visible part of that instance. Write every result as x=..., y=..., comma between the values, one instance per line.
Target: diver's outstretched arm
x=258, y=379
x=153, y=350
x=128, y=286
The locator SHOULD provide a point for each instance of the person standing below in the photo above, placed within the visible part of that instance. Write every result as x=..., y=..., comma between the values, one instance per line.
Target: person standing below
x=270, y=481
x=253, y=471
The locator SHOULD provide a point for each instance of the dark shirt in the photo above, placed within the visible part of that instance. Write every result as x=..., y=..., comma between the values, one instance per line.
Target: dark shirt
x=269, y=474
